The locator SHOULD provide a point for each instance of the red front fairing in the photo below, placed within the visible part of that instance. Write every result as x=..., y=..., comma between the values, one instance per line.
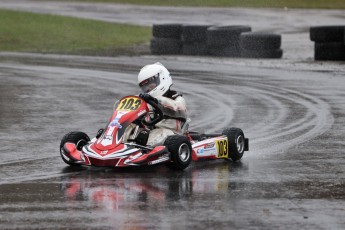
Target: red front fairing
x=131, y=157
x=128, y=110
x=110, y=150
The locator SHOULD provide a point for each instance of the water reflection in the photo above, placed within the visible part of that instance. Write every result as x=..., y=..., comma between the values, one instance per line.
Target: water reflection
x=13, y=100
x=112, y=189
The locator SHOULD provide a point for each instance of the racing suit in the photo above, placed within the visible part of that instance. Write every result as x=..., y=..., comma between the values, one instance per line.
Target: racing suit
x=174, y=111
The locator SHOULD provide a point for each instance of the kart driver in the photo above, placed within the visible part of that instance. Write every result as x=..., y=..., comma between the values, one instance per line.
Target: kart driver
x=155, y=82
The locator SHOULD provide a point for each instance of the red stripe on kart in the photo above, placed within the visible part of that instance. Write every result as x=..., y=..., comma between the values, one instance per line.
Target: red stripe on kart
x=73, y=152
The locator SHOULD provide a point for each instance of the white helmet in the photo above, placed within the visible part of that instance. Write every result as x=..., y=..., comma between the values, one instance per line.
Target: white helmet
x=154, y=79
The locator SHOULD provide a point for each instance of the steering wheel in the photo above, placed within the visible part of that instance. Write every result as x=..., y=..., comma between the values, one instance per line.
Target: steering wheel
x=158, y=114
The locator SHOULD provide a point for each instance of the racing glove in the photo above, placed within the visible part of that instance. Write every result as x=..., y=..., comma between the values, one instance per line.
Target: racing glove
x=148, y=97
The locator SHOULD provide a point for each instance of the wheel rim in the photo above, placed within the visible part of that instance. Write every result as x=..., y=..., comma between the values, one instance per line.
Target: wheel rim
x=240, y=143
x=81, y=144
x=184, y=152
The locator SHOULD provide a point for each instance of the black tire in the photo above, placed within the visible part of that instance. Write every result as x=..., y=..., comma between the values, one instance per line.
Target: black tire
x=227, y=51
x=262, y=53
x=167, y=31
x=236, y=142
x=194, y=33
x=165, y=46
x=260, y=41
x=180, y=150
x=333, y=51
x=327, y=33
x=197, y=48
x=78, y=138
x=225, y=35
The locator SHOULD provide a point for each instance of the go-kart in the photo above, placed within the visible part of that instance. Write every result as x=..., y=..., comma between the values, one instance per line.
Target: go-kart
x=123, y=142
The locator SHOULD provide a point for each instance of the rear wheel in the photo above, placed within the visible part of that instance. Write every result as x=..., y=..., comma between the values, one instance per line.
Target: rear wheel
x=180, y=150
x=78, y=138
x=236, y=142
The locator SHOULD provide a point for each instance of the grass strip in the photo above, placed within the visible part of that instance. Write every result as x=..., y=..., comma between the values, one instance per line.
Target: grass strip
x=30, y=32
x=317, y=4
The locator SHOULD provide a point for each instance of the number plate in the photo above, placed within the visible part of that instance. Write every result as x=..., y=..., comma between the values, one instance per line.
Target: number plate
x=129, y=104
x=222, y=148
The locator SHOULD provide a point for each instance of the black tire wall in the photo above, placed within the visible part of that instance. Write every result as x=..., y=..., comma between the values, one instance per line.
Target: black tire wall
x=194, y=39
x=329, y=42
x=225, y=40
x=220, y=41
x=261, y=45
x=166, y=39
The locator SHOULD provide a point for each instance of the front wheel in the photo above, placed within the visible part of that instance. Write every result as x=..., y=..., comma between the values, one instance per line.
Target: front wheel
x=236, y=142
x=78, y=138
x=180, y=150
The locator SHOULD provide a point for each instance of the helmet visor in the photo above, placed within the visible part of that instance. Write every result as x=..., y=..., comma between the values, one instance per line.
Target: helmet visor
x=150, y=83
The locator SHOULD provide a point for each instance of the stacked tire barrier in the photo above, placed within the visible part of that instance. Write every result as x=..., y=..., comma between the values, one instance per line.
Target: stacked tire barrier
x=223, y=41
x=329, y=42
x=260, y=45
x=194, y=39
x=166, y=39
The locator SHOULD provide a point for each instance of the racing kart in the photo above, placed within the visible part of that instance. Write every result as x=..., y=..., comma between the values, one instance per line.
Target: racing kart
x=123, y=142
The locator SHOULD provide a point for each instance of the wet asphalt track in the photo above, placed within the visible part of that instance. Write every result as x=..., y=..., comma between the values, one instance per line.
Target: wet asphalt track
x=293, y=177
x=293, y=111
